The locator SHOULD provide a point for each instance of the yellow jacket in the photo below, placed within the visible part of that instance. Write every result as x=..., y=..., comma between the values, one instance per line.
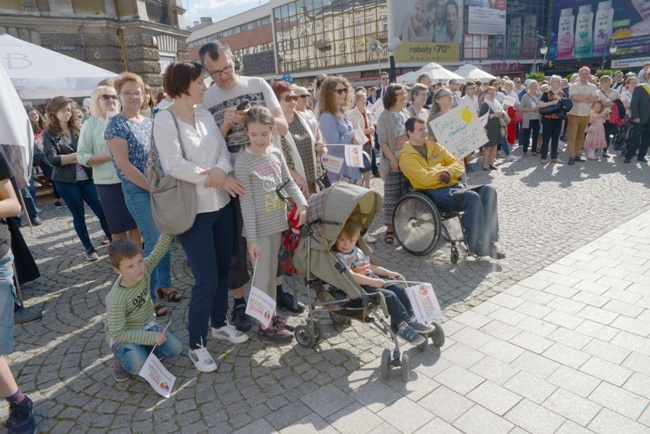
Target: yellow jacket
x=425, y=174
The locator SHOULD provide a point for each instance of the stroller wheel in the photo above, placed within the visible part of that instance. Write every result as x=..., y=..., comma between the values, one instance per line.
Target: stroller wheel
x=304, y=336
x=338, y=319
x=423, y=346
x=318, y=329
x=385, y=364
x=438, y=335
x=454, y=255
x=406, y=367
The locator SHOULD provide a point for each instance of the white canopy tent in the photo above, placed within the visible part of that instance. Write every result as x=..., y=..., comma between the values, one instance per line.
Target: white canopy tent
x=408, y=78
x=437, y=72
x=471, y=72
x=39, y=73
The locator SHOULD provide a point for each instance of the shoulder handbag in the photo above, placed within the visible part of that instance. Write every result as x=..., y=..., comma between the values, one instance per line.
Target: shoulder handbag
x=173, y=201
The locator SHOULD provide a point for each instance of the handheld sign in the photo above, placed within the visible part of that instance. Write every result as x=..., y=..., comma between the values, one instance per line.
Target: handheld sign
x=354, y=155
x=509, y=101
x=331, y=163
x=377, y=108
x=160, y=379
x=360, y=136
x=424, y=302
x=260, y=306
x=459, y=131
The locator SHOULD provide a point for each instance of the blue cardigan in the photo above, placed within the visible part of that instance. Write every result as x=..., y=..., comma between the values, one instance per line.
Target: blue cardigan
x=337, y=130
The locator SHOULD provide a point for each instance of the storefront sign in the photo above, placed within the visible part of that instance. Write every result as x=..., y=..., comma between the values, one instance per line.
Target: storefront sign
x=505, y=67
x=427, y=52
x=487, y=17
x=628, y=63
x=64, y=47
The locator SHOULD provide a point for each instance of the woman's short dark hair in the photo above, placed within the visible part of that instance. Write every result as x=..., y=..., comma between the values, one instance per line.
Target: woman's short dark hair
x=390, y=96
x=280, y=87
x=179, y=76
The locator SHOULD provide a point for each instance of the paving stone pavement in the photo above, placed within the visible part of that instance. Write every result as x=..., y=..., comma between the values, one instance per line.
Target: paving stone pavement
x=553, y=339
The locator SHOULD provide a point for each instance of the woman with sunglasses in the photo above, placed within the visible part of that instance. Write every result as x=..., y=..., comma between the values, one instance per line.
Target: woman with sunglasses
x=74, y=181
x=299, y=146
x=93, y=152
x=335, y=97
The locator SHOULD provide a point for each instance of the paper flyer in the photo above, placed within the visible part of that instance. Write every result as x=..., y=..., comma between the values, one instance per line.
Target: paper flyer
x=509, y=101
x=260, y=306
x=360, y=136
x=354, y=155
x=483, y=119
x=377, y=108
x=424, y=302
x=160, y=379
x=331, y=163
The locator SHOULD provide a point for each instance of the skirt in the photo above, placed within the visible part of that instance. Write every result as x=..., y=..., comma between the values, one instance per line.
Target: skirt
x=396, y=185
x=117, y=214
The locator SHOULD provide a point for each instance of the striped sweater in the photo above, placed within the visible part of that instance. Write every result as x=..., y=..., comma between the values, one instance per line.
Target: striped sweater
x=129, y=309
x=263, y=211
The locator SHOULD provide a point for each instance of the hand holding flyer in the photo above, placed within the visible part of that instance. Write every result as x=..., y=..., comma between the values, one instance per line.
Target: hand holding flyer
x=509, y=101
x=360, y=136
x=331, y=163
x=260, y=306
x=354, y=155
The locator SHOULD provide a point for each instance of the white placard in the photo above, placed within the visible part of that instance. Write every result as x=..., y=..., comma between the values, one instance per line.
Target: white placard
x=331, y=163
x=360, y=136
x=459, y=131
x=509, y=101
x=483, y=119
x=160, y=379
x=354, y=155
x=424, y=302
x=377, y=108
x=260, y=306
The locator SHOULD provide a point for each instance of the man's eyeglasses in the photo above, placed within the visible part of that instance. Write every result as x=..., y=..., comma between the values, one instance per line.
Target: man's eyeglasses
x=227, y=70
x=132, y=94
x=290, y=98
x=107, y=97
x=341, y=91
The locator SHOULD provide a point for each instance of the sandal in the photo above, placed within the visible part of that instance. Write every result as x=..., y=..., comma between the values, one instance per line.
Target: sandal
x=105, y=241
x=171, y=296
x=389, y=238
x=160, y=310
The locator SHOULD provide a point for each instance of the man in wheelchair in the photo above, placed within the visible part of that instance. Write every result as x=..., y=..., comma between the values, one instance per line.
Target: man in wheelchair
x=434, y=170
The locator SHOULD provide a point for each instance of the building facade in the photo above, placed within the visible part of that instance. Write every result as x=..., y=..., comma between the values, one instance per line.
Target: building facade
x=141, y=36
x=308, y=37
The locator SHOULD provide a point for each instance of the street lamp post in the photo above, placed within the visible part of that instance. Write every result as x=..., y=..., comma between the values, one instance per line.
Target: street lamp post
x=542, y=50
x=612, y=50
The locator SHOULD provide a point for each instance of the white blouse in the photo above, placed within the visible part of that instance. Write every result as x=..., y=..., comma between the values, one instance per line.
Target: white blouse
x=204, y=148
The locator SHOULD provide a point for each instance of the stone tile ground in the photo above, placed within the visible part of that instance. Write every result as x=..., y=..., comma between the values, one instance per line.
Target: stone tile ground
x=552, y=339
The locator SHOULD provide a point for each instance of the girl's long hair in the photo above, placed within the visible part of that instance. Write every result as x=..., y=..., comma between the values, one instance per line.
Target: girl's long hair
x=52, y=108
x=39, y=125
x=327, y=100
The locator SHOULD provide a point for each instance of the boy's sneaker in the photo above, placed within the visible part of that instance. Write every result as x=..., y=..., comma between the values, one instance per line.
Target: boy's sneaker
x=21, y=418
x=91, y=255
x=202, y=359
x=58, y=205
x=420, y=328
x=239, y=318
x=119, y=373
x=285, y=300
x=409, y=334
x=229, y=333
x=275, y=335
x=282, y=323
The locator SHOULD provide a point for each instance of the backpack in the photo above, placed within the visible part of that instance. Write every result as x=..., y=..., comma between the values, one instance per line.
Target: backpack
x=615, y=116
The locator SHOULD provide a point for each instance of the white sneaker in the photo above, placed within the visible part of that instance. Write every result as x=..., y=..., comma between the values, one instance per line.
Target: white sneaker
x=202, y=359
x=369, y=239
x=510, y=158
x=229, y=333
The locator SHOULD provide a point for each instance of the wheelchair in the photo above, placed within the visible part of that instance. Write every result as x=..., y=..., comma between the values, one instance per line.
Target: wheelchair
x=419, y=225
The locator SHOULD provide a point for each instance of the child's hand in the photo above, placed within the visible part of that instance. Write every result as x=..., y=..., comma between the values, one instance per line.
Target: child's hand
x=302, y=215
x=161, y=338
x=232, y=186
x=395, y=276
x=216, y=176
x=254, y=251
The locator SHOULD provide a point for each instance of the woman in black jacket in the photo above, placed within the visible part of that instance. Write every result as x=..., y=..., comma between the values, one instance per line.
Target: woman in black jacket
x=74, y=181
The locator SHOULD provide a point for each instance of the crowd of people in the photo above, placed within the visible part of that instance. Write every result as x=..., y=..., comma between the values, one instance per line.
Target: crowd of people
x=239, y=142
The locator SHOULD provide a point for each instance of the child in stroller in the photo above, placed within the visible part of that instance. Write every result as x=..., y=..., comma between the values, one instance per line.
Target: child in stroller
x=368, y=275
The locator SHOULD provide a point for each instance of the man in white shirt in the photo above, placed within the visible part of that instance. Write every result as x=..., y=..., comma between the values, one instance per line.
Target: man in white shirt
x=226, y=101
x=470, y=95
x=583, y=94
x=644, y=74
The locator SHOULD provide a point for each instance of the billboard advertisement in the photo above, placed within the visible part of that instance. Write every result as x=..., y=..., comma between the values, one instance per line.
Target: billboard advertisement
x=430, y=30
x=586, y=28
x=487, y=17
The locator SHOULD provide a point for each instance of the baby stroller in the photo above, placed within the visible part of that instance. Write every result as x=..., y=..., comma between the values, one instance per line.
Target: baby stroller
x=336, y=291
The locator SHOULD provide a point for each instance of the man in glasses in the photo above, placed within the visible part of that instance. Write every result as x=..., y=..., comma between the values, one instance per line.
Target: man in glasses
x=228, y=101
x=379, y=93
x=426, y=80
x=454, y=87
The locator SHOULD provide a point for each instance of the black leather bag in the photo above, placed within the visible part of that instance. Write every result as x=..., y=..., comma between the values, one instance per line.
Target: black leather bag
x=551, y=109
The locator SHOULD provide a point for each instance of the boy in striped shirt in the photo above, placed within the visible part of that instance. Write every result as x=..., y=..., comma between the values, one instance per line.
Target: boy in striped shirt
x=130, y=320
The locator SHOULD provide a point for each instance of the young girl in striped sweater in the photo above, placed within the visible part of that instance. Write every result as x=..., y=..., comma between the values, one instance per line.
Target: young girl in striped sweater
x=263, y=171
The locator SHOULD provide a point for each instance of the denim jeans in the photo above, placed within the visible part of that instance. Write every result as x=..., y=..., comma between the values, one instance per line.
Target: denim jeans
x=533, y=127
x=397, y=302
x=132, y=356
x=480, y=219
x=47, y=171
x=138, y=201
x=505, y=146
x=74, y=196
x=208, y=246
x=30, y=204
x=7, y=297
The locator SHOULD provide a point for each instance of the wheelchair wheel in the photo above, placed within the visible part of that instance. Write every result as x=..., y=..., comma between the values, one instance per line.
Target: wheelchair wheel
x=417, y=224
x=385, y=364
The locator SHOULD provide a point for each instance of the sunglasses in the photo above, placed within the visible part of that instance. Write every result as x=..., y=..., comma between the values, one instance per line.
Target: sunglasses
x=384, y=78
x=341, y=91
x=107, y=97
x=303, y=96
x=290, y=98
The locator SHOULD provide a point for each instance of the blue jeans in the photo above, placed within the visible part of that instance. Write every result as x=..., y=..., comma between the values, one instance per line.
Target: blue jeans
x=7, y=297
x=397, y=302
x=480, y=219
x=138, y=201
x=505, y=146
x=208, y=246
x=74, y=196
x=132, y=356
